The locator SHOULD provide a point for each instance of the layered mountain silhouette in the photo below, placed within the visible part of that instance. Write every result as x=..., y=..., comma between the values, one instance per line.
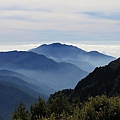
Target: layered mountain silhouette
x=51, y=73
x=24, y=82
x=103, y=80
x=10, y=97
x=72, y=54
x=27, y=75
x=14, y=88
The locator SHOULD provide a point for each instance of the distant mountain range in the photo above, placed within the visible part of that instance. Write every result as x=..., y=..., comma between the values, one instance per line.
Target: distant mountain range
x=72, y=54
x=10, y=97
x=13, y=88
x=25, y=84
x=27, y=75
x=44, y=70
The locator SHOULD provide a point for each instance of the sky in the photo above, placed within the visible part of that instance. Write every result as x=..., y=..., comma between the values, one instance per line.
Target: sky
x=88, y=24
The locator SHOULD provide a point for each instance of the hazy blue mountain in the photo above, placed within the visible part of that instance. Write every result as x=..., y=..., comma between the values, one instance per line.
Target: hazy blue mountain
x=98, y=59
x=81, y=64
x=26, y=81
x=25, y=60
x=23, y=86
x=72, y=54
x=56, y=75
x=10, y=97
x=58, y=50
x=13, y=89
x=103, y=80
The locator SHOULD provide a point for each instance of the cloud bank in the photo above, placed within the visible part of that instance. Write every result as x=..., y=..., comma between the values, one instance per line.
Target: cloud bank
x=81, y=21
x=112, y=50
x=83, y=18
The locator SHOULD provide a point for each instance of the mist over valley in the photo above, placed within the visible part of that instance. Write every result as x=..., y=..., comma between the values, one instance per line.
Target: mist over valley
x=43, y=71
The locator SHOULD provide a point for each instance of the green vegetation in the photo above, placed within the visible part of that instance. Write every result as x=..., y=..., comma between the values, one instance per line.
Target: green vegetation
x=21, y=113
x=60, y=108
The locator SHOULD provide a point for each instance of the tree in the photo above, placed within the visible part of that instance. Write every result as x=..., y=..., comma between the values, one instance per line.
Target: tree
x=21, y=113
x=52, y=117
x=59, y=104
x=101, y=108
x=38, y=109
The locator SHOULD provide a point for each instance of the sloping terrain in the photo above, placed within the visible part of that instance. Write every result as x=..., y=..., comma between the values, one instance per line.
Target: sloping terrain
x=72, y=54
x=21, y=79
x=53, y=74
x=9, y=99
x=103, y=80
x=22, y=85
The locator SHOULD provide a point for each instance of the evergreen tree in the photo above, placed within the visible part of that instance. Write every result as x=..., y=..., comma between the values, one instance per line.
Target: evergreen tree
x=63, y=116
x=101, y=108
x=21, y=113
x=52, y=117
x=98, y=108
x=59, y=104
x=38, y=109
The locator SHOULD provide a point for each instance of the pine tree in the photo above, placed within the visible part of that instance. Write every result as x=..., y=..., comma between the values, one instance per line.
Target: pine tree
x=38, y=109
x=52, y=117
x=21, y=113
x=58, y=105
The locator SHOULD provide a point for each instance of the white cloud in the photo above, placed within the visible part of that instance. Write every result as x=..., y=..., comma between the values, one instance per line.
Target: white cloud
x=64, y=15
x=40, y=20
x=64, y=5
x=17, y=47
x=112, y=50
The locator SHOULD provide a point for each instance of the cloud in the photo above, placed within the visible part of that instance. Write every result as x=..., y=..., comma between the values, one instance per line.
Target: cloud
x=72, y=20
x=64, y=5
x=111, y=50
x=113, y=16
x=24, y=47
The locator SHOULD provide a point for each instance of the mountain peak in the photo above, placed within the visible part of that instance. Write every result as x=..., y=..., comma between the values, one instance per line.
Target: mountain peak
x=58, y=50
x=56, y=44
x=72, y=54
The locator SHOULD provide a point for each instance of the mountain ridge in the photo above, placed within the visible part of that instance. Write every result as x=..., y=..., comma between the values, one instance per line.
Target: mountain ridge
x=72, y=54
x=55, y=74
x=9, y=104
x=29, y=81
x=103, y=80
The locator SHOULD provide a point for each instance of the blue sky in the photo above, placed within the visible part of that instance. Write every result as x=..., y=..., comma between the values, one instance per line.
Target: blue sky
x=79, y=22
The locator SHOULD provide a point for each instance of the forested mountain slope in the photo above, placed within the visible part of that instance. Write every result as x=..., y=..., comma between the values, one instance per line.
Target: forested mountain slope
x=103, y=80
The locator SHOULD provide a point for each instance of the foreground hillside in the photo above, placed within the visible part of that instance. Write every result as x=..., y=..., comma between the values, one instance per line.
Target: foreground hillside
x=103, y=80
x=98, y=108
x=85, y=102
